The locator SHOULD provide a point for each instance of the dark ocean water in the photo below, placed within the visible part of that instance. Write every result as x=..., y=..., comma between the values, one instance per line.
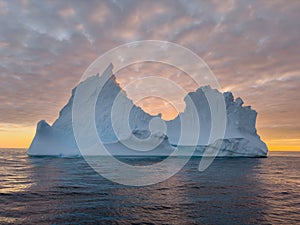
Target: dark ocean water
x=230, y=191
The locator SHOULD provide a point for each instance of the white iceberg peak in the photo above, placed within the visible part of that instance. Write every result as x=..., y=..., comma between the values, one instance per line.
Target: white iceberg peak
x=240, y=139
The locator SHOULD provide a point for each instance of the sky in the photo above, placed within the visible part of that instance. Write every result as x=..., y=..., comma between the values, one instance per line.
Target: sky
x=252, y=47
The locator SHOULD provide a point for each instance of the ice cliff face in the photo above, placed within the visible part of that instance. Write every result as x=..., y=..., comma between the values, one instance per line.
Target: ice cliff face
x=240, y=139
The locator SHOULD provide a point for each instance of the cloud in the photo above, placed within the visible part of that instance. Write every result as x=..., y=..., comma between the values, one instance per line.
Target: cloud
x=251, y=46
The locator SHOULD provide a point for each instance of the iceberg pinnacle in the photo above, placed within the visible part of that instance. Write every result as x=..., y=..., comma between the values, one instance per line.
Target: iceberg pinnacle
x=241, y=138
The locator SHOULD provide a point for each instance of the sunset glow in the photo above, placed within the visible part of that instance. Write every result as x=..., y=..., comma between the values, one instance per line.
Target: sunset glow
x=252, y=47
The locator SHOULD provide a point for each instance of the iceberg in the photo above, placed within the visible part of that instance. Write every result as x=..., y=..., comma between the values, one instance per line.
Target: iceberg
x=240, y=139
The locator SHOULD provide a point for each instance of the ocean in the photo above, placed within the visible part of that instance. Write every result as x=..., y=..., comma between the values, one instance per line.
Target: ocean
x=231, y=191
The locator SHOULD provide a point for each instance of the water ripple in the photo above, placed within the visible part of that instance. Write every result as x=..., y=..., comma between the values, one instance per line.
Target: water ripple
x=68, y=191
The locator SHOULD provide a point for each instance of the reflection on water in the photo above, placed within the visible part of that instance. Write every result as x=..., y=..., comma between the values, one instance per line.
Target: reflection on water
x=231, y=191
x=14, y=172
x=281, y=184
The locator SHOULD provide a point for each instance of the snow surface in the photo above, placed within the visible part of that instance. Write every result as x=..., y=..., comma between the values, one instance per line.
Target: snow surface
x=241, y=138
